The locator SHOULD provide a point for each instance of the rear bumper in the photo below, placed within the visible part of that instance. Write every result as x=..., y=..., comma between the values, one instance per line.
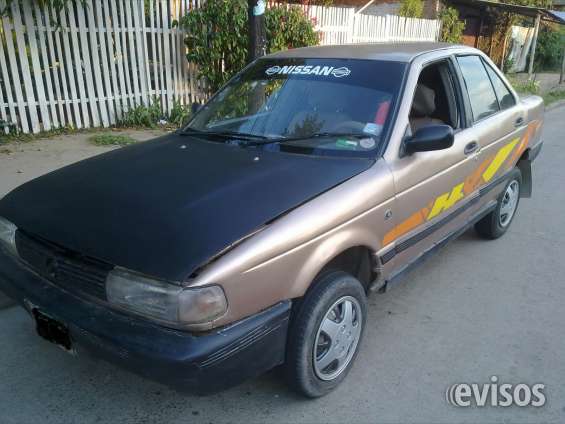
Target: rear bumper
x=201, y=364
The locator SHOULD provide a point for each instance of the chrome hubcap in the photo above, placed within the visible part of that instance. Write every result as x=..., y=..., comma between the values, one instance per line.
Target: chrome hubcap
x=337, y=338
x=509, y=203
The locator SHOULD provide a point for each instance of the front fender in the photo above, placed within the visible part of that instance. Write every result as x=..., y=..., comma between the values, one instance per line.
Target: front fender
x=281, y=261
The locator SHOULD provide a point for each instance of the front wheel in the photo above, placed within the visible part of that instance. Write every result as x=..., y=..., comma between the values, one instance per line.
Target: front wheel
x=325, y=334
x=496, y=223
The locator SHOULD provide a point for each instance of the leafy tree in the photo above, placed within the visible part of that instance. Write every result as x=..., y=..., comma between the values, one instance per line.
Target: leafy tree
x=549, y=48
x=217, y=36
x=411, y=8
x=57, y=5
x=451, y=26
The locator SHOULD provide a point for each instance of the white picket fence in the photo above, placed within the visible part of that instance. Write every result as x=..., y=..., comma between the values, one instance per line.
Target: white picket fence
x=104, y=59
x=109, y=56
x=344, y=25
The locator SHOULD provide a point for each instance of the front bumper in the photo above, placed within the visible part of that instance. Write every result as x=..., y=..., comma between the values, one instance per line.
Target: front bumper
x=201, y=364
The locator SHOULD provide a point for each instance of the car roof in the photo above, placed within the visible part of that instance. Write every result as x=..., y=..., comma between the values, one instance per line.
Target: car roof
x=398, y=52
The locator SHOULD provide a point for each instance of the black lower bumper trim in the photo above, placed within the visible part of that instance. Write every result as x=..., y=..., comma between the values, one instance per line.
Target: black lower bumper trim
x=198, y=363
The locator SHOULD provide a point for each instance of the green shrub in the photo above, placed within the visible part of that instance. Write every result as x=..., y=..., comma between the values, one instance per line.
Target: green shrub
x=142, y=116
x=549, y=48
x=179, y=114
x=411, y=8
x=554, y=96
x=451, y=26
x=288, y=28
x=151, y=116
x=217, y=36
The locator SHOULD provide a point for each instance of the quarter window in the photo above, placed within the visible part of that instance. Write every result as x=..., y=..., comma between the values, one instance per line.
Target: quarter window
x=505, y=98
x=481, y=93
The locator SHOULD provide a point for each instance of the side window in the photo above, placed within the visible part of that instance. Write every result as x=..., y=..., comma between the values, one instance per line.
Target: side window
x=505, y=98
x=481, y=93
x=435, y=99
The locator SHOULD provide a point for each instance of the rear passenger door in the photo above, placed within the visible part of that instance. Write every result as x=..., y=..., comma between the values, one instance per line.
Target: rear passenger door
x=497, y=124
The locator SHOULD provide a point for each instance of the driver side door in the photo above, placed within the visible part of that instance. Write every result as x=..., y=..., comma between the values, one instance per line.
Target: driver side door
x=435, y=189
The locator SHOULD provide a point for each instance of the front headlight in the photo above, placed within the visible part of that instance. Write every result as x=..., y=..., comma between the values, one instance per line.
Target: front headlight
x=165, y=301
x=8, y=235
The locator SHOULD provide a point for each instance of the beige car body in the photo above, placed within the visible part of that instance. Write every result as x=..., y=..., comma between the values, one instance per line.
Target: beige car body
x=394, y=213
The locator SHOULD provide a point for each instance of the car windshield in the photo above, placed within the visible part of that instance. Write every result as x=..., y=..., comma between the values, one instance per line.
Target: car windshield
x=341, y=106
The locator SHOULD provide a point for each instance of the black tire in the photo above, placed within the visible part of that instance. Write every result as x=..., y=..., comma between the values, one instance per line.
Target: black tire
x=490, y=227
x=300, y=370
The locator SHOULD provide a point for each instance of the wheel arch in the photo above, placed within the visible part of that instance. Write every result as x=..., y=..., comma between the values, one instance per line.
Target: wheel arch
x=358, y=260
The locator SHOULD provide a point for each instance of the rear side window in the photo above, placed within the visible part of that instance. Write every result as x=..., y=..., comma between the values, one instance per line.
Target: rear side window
x=481, y=93
x=505, y=98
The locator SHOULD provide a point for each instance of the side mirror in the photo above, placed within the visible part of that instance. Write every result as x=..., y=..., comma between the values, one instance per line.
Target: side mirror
x=195, y=107
x=428, y=138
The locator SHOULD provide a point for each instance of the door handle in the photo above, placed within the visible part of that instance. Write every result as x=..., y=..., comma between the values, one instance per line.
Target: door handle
x=471, y=147
x=519, y=122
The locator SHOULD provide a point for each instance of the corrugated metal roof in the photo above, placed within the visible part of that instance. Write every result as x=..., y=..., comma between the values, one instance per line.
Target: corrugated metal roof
x=558, y=14
x=514, y=8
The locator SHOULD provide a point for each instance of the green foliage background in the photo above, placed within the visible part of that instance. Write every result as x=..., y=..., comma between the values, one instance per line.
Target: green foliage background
x=57, y=5
x=451, y=26
x=411, y=8
x=217, y=36
x=549, y=49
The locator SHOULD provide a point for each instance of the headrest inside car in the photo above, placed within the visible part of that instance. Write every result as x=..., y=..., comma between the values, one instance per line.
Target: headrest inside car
x=424, y=103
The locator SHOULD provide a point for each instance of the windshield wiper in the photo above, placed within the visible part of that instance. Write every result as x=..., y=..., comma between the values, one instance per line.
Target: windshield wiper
x=224, y=134
x=314, y=135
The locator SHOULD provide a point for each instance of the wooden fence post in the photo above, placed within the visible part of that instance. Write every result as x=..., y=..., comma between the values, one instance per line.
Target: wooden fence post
x=534, y=42
x=562, y=74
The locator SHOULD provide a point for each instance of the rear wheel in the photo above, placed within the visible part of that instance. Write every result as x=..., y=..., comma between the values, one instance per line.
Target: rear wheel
x=325, y=334
x=496, y=223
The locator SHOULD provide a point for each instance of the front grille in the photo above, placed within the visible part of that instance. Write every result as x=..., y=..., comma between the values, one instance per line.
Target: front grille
x=67, y=269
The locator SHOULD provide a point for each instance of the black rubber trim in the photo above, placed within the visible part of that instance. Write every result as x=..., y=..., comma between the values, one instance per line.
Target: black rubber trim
x=490, y=186
x=450, y=237
x=387, y=256
x=432, y=228
x=416, y=238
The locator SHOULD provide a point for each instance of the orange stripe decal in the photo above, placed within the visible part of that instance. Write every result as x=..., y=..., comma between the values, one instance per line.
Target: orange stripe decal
x=484, y=173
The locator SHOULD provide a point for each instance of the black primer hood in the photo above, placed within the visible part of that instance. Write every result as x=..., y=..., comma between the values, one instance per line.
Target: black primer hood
x=164, y=210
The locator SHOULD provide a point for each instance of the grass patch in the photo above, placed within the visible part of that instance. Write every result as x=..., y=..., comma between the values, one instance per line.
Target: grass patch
x=554, y=96
x=111, y=139
x=524, y=86
x=140, y=117
x=21, y=137
x=152, y=116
